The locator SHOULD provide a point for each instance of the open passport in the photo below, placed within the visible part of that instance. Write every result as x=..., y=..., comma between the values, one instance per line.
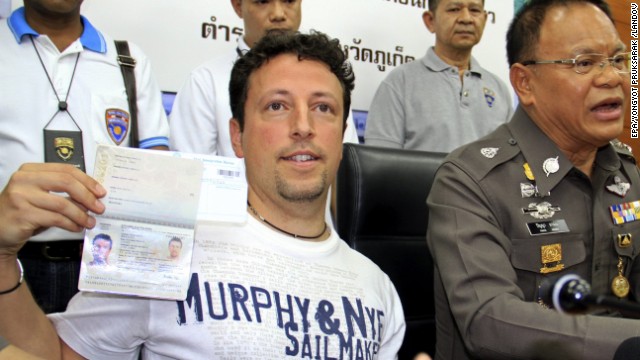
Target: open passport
x=142, y=244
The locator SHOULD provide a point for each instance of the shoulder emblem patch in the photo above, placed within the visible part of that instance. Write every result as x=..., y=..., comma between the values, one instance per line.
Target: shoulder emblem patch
x=117, y=122
x=489, y=152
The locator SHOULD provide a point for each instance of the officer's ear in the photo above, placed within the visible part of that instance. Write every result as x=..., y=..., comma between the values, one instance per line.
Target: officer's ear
x=521, y=78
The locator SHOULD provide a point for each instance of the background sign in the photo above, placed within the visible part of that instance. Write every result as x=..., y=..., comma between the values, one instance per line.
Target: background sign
x=378, y=35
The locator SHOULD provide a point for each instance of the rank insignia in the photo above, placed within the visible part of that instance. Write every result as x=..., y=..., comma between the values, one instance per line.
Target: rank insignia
x=117, y=122
x=619, y=187
x=528, y=173
x=489, y=152
x=489, y=96
x=551, y=257
x=64, y=147
x=622, y=146
x=624, y=240
x=626, y=212
x=543, y=210
x=551, y=166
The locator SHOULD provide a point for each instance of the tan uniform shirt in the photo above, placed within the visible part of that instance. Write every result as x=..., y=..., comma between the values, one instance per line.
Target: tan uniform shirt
x=490, y=224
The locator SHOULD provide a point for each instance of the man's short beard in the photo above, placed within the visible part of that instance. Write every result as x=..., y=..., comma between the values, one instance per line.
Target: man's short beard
x=290, y=193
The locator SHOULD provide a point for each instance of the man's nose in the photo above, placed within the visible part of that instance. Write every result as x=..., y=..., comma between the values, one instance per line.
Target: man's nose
x=302, y=124
x=277, y=12
x=465, y=15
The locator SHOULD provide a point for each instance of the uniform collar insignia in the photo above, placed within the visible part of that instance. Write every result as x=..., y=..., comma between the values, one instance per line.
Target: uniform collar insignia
x=551, y=166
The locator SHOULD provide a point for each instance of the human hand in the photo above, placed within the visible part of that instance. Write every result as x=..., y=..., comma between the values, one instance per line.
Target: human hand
x=422, y=356
x=28, y=203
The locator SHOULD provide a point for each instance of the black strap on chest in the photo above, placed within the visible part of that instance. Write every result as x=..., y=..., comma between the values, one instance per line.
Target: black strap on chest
x=127, y=65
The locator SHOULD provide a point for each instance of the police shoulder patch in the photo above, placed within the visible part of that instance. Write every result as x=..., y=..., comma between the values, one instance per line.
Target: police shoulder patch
x=117, y=122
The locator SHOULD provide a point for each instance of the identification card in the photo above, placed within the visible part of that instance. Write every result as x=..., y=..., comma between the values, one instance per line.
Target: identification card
x=64, y=147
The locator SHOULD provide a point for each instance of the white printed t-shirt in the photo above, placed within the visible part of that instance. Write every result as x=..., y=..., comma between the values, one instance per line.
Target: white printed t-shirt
x=254, y=294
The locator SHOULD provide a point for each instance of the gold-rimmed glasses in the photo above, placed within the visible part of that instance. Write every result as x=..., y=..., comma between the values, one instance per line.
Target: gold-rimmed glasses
x=584, y=63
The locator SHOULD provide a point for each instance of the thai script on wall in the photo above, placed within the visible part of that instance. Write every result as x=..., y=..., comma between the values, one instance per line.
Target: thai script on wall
x=355, y=52
x=380, y=58
x=220, y=31
x=414, y=3
x=380, y=35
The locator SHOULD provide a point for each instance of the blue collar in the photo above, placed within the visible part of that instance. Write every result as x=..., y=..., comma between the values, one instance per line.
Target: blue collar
x=90, y=39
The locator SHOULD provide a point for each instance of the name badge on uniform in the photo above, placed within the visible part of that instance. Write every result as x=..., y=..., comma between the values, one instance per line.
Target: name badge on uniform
x=547, y=227
x=64, y=147
x=625, y=212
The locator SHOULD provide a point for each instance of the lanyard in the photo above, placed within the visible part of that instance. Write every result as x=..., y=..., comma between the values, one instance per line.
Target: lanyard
x=62, y=146
x=62, y=104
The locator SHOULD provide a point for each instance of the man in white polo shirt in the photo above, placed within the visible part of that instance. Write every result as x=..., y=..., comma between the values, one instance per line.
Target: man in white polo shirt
x=201, y=113
x=62, y=94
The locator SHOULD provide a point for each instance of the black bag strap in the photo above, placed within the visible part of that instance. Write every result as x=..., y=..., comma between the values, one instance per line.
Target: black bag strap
x=127, y=64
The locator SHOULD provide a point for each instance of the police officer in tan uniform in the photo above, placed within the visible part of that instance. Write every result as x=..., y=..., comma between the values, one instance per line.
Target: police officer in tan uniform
x=550, y=193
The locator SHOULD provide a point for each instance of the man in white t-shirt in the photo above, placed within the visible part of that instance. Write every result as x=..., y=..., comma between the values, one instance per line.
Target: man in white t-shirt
x=282, y=285
x=199, y=120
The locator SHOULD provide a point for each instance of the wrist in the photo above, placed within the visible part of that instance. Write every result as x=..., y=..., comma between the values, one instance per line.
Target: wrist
x=12, y=279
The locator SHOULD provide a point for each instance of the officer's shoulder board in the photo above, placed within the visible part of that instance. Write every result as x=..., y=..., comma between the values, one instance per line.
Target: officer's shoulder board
x=623, y=150
x=482, y=156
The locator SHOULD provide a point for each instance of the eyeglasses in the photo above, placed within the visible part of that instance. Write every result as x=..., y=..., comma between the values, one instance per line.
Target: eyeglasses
x=584, y=63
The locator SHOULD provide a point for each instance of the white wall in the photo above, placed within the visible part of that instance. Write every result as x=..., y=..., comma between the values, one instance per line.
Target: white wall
x=170, y=32
x=5, y=8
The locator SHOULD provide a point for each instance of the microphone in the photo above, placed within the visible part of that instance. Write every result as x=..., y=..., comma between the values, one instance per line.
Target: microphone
x=571, y=294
